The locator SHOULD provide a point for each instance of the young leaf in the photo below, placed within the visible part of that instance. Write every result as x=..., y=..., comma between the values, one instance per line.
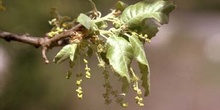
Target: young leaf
x=119, y=53
x=84, y=20
x=87, y=22
x=102, y=24
x=66, y=52
x=135, y=14
x=121, y=6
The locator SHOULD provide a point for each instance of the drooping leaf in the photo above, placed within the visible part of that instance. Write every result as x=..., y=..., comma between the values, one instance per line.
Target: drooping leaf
x=119, y=53
x=121, y=6
x=67, y=52
x=145, y=71
x=135, y=14
x=139, y=55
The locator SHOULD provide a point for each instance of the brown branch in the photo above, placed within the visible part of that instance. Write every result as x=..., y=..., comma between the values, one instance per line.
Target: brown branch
x=20, y=38
x=44, y=42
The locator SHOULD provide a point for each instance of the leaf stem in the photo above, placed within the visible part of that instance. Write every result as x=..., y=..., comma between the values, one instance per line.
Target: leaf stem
x=95, y=11
x=104, y=36
x=126, y=34
x=101, y=62
x=135, y=78
x=109, y=17
x=105, y=32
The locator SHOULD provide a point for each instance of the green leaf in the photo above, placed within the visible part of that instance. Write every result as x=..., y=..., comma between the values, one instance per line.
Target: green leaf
x=66, y=52
x=135, y=14
x=149, y=27
x=145, y=71
x=119, y=53
x=139, y=55
x=85, y=21
x=102, y=24
x=138, y=48
x=88, y=23
x=121, y=6
x=72, y=51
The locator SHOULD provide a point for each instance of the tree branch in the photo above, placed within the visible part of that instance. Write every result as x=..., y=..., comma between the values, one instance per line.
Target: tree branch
x=44, y=42
x=26, y=38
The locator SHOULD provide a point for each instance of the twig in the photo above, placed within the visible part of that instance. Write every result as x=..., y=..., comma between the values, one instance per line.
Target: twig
x=44, y=42
x=20, y=38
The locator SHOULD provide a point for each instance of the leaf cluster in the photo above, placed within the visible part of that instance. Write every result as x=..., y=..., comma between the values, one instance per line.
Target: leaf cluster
x=117, y=39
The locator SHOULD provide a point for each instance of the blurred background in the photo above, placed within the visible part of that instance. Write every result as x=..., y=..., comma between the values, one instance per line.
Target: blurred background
x=184, y=58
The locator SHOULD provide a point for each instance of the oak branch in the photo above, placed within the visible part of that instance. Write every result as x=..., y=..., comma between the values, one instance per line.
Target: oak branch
x=45, y=42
